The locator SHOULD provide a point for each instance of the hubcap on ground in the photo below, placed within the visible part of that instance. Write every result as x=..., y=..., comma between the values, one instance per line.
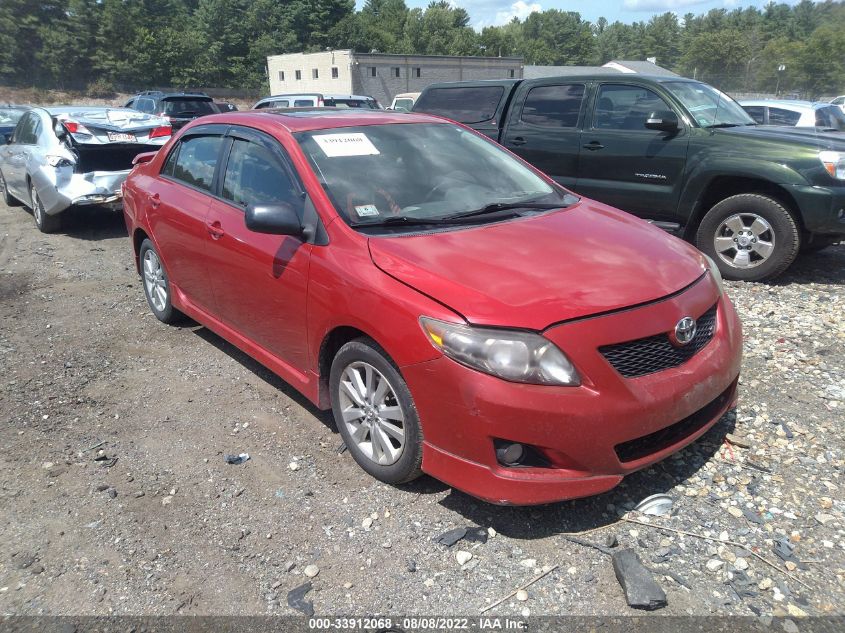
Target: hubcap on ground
x=154, y=280
x=371, y=413
x=744, y=240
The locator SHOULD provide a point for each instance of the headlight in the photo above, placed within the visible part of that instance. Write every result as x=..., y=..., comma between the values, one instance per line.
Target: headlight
x=716, y=273
x=509, y=354
x=834, y=163
x=58, y=161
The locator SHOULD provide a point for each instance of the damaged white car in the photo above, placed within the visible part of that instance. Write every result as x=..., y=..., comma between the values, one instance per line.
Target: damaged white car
x=63, y=156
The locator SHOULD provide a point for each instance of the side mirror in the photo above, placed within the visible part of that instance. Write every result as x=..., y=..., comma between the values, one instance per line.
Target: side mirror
x=663, y=120
x=276, y=219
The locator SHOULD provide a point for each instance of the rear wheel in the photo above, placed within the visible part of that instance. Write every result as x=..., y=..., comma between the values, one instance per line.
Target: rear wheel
x=45, y=223
x=750, y=236
x=375, y=413
x=8, y=199
x=157, y=284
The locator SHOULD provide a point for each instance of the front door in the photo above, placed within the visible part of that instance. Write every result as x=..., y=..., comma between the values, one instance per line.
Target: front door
x=625, y=165
x=544, y=128
x=259, y=280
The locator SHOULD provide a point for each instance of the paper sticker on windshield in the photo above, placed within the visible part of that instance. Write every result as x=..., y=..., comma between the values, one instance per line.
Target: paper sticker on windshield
x=365, y=210
x=351, y=144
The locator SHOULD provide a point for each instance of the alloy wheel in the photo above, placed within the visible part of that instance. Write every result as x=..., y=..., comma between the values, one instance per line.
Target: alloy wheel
x=37, y=210
x=744, y=240
x=372, y=413
x=154, y=280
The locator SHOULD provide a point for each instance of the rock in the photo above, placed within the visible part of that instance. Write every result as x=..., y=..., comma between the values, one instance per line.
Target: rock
x=411, y=566
x=296, y=599
x=765, y=584
x=522, y=595
x=347, y=585
x=528, y=562
x=111, y=492
x=451, y=537
x=734, y=511
x=611, y=541
x=737, y=440
x=167, y=500
x=790, y=565
x=714, y=564
x=641, y=591
x=289, y=565
x=311, y=571
x=463, y=557
x=741, y=564
x=491, y=532
x=789, y=626
x=367, y=523
x=796, y=611
x=294, y=466
x=824, y=519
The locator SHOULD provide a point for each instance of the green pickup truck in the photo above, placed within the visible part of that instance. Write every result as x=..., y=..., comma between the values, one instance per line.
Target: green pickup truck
x=674, y=151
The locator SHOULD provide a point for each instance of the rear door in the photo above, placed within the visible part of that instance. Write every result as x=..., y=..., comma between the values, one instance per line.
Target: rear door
x=177, y=209
x=18, y=153
x=259, y=280
x=544, y=126
x=625, y=165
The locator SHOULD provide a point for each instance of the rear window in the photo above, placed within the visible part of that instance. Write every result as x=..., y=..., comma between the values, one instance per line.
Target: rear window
x=187, y=107
x=830, y=117
x=471, y=104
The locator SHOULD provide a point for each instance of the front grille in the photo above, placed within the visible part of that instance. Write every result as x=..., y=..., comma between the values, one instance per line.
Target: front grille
x=656, y=353
x=646, y=445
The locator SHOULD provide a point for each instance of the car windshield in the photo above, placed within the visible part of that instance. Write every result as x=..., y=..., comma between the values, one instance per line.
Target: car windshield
x=709, y=107
x=402, y=173
x=187, y=107
x=10, y=116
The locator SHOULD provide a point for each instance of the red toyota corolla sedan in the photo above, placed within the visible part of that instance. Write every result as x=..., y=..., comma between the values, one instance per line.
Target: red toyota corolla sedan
x=461, y=313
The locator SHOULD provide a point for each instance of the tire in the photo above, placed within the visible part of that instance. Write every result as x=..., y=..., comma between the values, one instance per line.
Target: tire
x=45, y=223
x=400, y=462
x=8, y=199
x=733, y=233
x=156, y=284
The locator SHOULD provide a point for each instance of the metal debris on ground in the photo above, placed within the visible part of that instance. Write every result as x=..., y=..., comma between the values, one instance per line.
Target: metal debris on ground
x=296, y=599
x=236, y=459
x=656, y=505
x=641, y=591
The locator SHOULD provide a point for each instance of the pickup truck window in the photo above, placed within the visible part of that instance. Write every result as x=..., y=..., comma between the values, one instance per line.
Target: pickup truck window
x=553, y=106
x=466, y=104
x=625, y=107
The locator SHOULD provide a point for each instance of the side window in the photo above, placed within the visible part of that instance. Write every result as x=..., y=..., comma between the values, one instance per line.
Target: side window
x=779, y=116
x=303, y=103
x=195, y=160
x=145, y=105
x=130, y=104
x=254, y=175
x=553, y=106
x=621, y=107
x=170, y=164
x=465, y=104
x=280, y=104
x=756, y=112
x=26, y=130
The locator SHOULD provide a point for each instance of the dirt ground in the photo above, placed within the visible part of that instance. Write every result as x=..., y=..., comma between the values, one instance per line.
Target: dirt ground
x=88, y=376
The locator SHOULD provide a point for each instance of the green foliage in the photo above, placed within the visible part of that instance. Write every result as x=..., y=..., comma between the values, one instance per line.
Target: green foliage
x=130, y=44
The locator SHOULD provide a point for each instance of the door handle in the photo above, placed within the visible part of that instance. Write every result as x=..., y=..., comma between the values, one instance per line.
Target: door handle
x=155, y=200
x=215, y=229
x=518, y=140
x=593, y=146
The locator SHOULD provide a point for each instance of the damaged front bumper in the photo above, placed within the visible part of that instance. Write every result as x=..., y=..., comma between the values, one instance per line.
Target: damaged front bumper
x=60, y=188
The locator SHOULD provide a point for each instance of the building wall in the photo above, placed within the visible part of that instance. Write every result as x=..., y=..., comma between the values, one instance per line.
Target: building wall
x=306, y=64
x=355, y=72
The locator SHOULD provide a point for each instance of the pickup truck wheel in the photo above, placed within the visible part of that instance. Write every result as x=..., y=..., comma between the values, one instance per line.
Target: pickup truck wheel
x=750, y=236
x=8, y=199
x=156, y=284
x=45, y=223
x=375, y=413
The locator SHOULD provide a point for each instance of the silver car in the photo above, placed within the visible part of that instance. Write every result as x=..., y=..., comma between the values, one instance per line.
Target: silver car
x=58, y=157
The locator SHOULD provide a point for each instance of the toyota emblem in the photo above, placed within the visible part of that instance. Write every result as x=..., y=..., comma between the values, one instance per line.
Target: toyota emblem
x=685, y=330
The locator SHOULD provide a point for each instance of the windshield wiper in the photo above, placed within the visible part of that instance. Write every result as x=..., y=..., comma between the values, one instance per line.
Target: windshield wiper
x=397, y=220
x=502, y=206
x=715, y=125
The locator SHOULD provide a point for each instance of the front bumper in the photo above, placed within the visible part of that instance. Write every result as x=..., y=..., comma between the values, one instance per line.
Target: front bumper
x=60, y=188
x=822, y=208
x=592, y=435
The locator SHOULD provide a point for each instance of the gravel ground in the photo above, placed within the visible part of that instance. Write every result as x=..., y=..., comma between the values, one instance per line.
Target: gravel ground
x=88, y=376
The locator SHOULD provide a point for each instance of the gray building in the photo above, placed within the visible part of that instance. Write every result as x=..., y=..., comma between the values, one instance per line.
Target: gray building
x=379, y=75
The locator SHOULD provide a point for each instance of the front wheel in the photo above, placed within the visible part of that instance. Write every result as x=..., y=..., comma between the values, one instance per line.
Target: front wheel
x=750, y=236
x=45, y=223
x=375, y=413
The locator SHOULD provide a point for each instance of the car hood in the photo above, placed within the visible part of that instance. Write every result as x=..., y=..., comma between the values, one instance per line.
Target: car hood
x=533, y=272
x=798, y=135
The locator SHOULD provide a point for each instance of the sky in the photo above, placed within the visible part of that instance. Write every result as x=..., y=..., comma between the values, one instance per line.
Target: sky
x=493, y=12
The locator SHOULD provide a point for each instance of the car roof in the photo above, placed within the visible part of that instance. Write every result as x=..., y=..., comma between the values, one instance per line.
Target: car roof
x=407, y=95
x=787, y=103
x=307, y=119
x=68, y=109
x=314, y=94
x=604, y=77
x=169, y=95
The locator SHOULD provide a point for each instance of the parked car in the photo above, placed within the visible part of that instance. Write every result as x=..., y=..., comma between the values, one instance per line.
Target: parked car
x=672, y=150
x=795, y=113
x=9, y=117
x=839, y=101
x=461, y=313
x=225, y=106
x=62, y=156
x=178, y=108
x=317, y=100
x=404, y=102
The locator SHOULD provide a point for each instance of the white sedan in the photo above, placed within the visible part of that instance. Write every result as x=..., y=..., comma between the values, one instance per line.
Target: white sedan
x=795, y=113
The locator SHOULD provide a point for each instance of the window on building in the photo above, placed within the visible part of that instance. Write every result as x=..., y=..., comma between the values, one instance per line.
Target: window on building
x=334, y=73
x=417, y=72
x=315, y=74
x=512, y=73
x=298, y=75
x=281, y=75
x=396, y=71
x=372, y=71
